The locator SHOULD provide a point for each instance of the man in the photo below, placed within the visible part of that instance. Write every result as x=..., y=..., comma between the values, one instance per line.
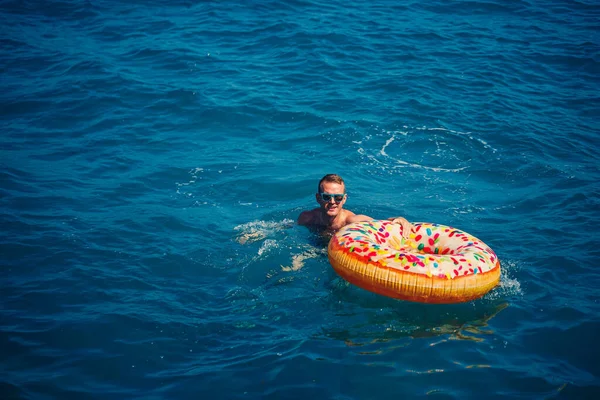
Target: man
x=331, y=215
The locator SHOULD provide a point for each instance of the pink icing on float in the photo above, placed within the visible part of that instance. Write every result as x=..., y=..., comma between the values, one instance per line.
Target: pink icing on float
x=436, y=264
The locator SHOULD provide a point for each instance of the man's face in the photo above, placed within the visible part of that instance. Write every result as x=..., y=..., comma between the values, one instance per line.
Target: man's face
x=331, y=207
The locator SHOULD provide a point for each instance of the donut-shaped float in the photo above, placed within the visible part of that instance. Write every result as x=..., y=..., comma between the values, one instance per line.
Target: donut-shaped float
x=436, y=264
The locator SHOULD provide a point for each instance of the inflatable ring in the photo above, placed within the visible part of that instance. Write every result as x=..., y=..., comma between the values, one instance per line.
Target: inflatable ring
x=436, y=264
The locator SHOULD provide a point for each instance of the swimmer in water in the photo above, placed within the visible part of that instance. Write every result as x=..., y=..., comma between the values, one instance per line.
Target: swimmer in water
x=331, y=215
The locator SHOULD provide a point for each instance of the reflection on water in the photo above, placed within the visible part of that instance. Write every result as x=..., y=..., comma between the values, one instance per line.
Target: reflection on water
x=405, y=320
x=470, y=330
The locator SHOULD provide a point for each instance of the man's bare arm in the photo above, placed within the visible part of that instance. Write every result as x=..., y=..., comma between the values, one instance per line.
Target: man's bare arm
x=407, y=227
x=358, y=218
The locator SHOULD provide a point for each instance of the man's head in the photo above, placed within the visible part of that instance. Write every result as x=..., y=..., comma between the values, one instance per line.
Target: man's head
x=331, y=194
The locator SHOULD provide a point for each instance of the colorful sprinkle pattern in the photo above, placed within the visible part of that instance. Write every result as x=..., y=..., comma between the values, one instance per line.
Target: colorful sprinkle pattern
x=432, y=250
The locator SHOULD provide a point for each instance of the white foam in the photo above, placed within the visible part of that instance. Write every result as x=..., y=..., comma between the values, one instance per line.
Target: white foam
x=254, y=226
x=387, y=143
x=442, y=147
x=509, y=286
x=267, y=246
x=467, y=134
x=435, y=169
x=194, y=177
x=254, y=231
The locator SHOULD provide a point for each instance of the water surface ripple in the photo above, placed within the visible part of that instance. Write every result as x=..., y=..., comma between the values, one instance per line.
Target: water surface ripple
x=156, y=154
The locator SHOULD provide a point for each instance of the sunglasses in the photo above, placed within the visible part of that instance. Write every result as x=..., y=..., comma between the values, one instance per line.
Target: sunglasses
x=336, y=196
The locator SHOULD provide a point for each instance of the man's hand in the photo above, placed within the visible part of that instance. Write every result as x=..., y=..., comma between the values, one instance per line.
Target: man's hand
x=407, y=227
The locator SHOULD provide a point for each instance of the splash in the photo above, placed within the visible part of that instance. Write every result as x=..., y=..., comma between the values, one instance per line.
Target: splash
x=183, y=188
x=509, y=286
x=255, y=231
x=267, y=246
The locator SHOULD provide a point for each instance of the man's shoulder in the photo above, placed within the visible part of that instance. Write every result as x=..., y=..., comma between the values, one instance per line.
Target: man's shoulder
x=347, y=215
x=351, y=217
x=308, y=217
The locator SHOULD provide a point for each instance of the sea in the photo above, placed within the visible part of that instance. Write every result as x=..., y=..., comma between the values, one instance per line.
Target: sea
x=155, y=156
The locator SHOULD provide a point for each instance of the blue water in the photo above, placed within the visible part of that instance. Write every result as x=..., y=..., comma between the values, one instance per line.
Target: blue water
x=155, y=156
